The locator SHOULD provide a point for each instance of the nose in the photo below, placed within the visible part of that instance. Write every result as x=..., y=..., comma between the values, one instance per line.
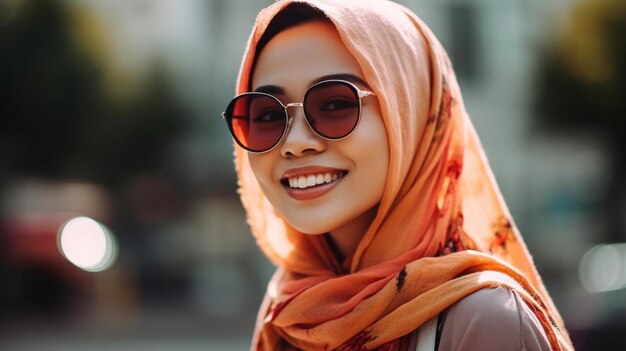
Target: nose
x=300, y=140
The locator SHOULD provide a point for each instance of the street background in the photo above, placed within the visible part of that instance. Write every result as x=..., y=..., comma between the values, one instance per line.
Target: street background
x=110, y=116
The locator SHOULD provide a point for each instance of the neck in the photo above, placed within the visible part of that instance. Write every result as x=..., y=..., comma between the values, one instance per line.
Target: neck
x=347, y=237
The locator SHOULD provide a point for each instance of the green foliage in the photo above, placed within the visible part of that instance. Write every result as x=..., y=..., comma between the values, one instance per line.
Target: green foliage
x=583, y=78
x=57, y=120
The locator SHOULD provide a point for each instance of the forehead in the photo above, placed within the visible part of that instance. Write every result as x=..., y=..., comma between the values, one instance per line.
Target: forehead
x=300, y=54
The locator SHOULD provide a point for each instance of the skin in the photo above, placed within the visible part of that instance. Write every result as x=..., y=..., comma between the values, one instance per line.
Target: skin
x=291, y=61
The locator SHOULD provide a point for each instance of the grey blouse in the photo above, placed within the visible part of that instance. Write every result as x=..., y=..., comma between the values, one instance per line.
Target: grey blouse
x=490, y=319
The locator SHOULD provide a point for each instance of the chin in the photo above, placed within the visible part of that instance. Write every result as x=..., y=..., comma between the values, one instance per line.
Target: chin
x=310, y=230
x=312, y=227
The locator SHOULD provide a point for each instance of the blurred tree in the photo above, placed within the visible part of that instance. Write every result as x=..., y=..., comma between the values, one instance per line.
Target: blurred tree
x=48, y=91
x=58, y=121
x=61, y=120
x=582, y=87
x=129, y=137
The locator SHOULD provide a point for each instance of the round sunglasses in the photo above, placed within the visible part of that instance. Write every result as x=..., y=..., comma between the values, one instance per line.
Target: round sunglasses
x=259, y=121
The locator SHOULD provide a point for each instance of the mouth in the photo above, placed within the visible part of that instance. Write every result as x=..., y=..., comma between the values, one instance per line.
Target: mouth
x=310, y=180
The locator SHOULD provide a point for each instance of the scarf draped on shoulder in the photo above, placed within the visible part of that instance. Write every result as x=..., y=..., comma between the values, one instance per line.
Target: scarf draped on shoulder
x=442, y=230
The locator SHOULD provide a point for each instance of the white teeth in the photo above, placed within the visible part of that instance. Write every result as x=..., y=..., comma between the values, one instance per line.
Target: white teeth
x=302, y=182
x=305, y=181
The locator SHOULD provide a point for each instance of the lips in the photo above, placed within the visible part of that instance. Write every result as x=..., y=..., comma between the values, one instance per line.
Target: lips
x=311, y=182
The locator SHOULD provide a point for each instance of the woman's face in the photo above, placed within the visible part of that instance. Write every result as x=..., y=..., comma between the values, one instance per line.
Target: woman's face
x=356, y=165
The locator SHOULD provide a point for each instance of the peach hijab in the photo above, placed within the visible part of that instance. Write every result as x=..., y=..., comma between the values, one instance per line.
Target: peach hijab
x=442, y=230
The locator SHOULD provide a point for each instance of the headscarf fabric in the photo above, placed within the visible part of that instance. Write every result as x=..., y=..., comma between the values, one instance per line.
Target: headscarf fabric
x=442, y=230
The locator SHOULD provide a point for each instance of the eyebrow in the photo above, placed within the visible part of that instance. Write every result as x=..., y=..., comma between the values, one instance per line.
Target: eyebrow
x=352, y=78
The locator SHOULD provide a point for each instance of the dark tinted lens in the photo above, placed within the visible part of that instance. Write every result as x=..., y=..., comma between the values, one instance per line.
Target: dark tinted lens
x=256, y=121
x=332, y=109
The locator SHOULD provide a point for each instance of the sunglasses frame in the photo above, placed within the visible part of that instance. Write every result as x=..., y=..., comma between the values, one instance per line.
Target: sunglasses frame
x=360, y=94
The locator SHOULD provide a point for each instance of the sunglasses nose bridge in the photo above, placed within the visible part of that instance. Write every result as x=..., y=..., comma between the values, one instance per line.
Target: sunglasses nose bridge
x=295, y=104
x=289, y=115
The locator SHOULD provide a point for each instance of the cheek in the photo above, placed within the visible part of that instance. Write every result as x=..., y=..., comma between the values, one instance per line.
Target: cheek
x=379, y=147
x=370, y=153
x=261, y=166
x=374, y=141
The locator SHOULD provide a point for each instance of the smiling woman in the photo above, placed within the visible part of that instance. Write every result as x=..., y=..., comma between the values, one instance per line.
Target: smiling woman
x=365, y=183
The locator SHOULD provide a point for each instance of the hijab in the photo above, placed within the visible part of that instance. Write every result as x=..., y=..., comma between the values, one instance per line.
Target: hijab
x=442, y=229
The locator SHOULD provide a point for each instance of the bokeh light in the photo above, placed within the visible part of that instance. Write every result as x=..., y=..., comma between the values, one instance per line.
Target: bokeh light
x=87, y=244
x=603, y=268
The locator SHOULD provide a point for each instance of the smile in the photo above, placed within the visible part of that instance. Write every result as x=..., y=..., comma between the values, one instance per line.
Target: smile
x=311, y=180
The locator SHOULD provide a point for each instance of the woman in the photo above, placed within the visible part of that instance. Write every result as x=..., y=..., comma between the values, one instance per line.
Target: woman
x=365, y=183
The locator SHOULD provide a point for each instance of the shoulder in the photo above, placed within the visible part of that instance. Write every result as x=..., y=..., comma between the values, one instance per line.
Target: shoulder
x=491, y=319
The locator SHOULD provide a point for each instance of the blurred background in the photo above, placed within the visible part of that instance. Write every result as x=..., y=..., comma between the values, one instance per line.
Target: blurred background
x=120, y=227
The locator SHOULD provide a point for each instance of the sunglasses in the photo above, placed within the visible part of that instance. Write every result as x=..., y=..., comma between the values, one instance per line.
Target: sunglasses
x=259, y=121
